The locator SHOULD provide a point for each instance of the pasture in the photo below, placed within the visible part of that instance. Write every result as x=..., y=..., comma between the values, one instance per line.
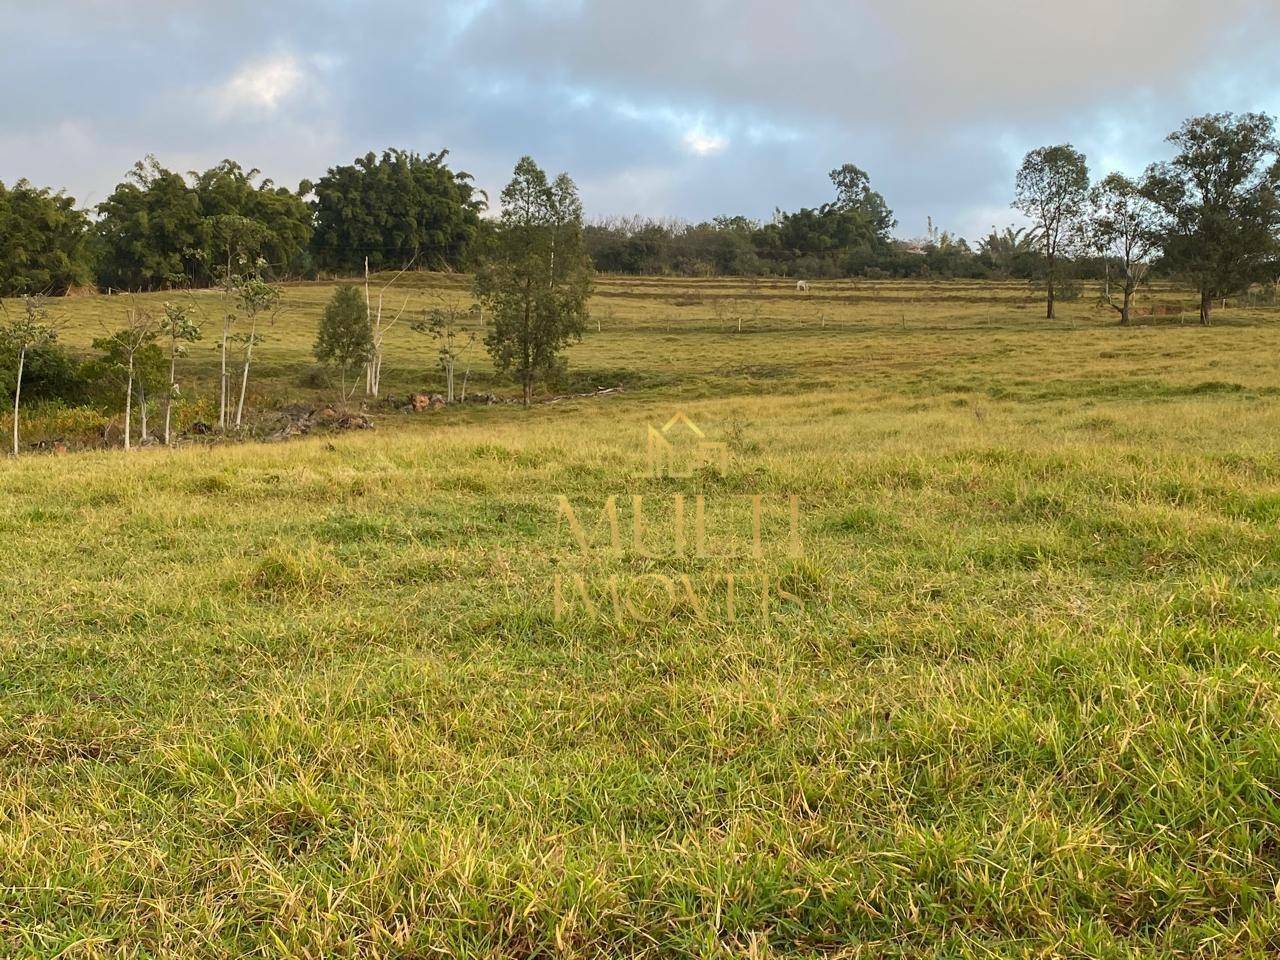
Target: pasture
x=1016, y=693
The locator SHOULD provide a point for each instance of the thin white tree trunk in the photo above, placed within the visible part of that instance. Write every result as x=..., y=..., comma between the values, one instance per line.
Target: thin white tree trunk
x=244, y=378
x=128, y=408
x=17, y=395
x=142, y=411
x=168, y=403
x=222, y=391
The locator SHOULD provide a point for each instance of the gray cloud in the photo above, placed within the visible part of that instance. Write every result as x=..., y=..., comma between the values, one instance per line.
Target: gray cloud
x=684, y=108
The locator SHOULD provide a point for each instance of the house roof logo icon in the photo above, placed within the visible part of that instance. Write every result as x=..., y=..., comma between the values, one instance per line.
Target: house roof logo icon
x=663, y=458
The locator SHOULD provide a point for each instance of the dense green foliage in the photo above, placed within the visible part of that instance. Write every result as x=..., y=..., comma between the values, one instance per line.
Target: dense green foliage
x=1219, y=198
x=159, y=229
x=50, y=373
x=537, y=280
x=845, y=237
x=396, y=209
x=44, y=247
x=345, y=336
x=1051, y=190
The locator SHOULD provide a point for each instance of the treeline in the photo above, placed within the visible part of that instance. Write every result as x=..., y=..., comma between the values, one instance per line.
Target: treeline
x=532, y=289
x=160, y=229
x=790, y=246
x=1209, y=217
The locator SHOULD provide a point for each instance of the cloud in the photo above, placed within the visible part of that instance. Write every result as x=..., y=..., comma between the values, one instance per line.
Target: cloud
x=260, y=87
x=702, y=144
x=672, y=107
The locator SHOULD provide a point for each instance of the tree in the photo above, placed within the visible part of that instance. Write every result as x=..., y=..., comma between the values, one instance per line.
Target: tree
x=44, y=242
x=180, y=329
x=855, y=196
x=20, y=335
x=259, y=301
x=149, y=230
x=395, y=209
x=159, y=229
x=1009, y=253
x=1124, y=230
x=535, y=286
x=444, y=325
x=131, y=358
x=345, y=338
x=1219, y=201
x=1051, y=189
x=255, y=220
x=379, y=327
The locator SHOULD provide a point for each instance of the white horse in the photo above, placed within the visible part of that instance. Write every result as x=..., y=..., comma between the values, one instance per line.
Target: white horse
x=802, y=286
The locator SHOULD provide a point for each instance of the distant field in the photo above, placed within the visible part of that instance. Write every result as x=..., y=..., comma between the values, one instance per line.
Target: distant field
x=1016, y=694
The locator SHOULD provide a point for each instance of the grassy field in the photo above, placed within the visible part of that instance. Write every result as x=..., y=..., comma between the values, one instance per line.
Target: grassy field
x=1017, y=693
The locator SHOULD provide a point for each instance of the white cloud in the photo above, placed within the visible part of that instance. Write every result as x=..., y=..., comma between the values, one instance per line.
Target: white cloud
x=261, y=86
x=703, y=144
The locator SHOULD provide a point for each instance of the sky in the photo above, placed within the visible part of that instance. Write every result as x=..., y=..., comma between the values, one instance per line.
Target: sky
x=665, y=108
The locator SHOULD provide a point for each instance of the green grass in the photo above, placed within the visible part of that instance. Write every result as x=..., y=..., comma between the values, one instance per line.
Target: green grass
x=313, y=700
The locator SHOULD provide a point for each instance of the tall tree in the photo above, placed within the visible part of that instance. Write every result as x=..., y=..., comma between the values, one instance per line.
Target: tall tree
x=248, y=220
x=149, y=230
x=159, y=229
x=20, y=335
x=1219, y=199
x=131, y=358
x=395, y=209
x=536, y=284
x=854, y=195
x=180, y=328
x=1051, y=189
x=1124, y=229
x=259, y=301
x=44, y=242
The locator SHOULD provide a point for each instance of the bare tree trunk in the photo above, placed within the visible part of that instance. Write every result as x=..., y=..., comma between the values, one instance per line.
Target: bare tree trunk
x=222, y=390
x=17, y=395
x=128, y=408
x=142, y=411
x=1049, y=314
x=368, y=316
x=168, y=400
x=528, y=391
x=1124, y=310
x=244, y=377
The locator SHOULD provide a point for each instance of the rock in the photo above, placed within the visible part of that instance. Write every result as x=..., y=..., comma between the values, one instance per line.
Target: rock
x=353, y=421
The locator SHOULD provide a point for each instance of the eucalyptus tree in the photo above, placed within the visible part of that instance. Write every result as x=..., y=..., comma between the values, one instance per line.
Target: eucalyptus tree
x=1051, y=190
x=19, y=335
x=444, y=325
x=536, y=283
x=130, y=357
x=180, y=329
x=259, y=301
x=1124, y=230
x=1220, y=205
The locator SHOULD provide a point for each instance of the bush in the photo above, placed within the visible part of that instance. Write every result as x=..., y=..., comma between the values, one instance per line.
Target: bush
x=50, y=374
